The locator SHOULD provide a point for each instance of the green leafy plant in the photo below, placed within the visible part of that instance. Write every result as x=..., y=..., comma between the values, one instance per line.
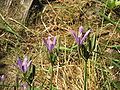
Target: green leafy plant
x=52, y=56
x=111, y=4
x=82, y=50
x=6, y=27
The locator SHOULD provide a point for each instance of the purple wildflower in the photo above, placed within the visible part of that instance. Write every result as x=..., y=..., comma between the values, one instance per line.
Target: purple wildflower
x=79, y=38
x=49, y=43
x=2, y=78
x=24, y=66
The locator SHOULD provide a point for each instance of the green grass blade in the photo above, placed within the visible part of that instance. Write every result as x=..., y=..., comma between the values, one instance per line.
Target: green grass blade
x=115, y=46
x=111, y=21
x=6, y=27
x=116, y=62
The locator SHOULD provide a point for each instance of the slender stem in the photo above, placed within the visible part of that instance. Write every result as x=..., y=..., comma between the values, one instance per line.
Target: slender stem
x=30, y=87
x=25, y=78
x=85, y=75
x=79, y=54
x=17, y=82
x=33, y=86
x=51, y=77
x=85, y=67
x=52, y=59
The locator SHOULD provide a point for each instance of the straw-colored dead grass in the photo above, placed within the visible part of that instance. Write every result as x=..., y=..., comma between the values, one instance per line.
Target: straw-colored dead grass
x=58, y=19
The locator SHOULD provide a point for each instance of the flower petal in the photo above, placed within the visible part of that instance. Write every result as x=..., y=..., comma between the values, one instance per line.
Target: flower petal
x=52, y=44
x=49, y=42
x=80, y=32
x=45, y=42
x=29, y=63
x=24, y=68
x=51, y=47
x=81, y=29
x=24, y=64
x=2, y=78
x=25, y=61
x=85, y=36
x=74, y=35
x=54, y=40
x=19, y=63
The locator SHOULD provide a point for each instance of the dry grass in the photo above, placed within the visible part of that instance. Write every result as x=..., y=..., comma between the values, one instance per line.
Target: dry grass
x=58, y=19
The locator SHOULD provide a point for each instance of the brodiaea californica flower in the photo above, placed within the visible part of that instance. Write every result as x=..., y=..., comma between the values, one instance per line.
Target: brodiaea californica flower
x=80, y=38
x=24, y=66
x=49, y=43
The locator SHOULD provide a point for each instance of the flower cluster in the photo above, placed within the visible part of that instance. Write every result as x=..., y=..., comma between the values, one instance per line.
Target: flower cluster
x=80, y=38
x=49, y=43
x=24, y=66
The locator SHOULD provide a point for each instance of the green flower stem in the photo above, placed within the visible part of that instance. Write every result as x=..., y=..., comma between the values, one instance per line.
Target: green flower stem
x=30, y=87
x=85, y=75
x=17, y=82
x=52, y=74
x=85, y=67
x=26, y=80
x=80, y=53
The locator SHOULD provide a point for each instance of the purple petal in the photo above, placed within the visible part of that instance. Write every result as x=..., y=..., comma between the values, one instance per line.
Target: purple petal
x=85, y=36
x=25, y=61
x=80, y=32
x=29, y=63
x=52, y=44
x=81, y=29
x=19, y=63
x=2, y=78
x=45, y=42
x=24, y=64
x=24, y=69
x=74, y=35
x=54, y=40
x=51, y=47
x=49, y=42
